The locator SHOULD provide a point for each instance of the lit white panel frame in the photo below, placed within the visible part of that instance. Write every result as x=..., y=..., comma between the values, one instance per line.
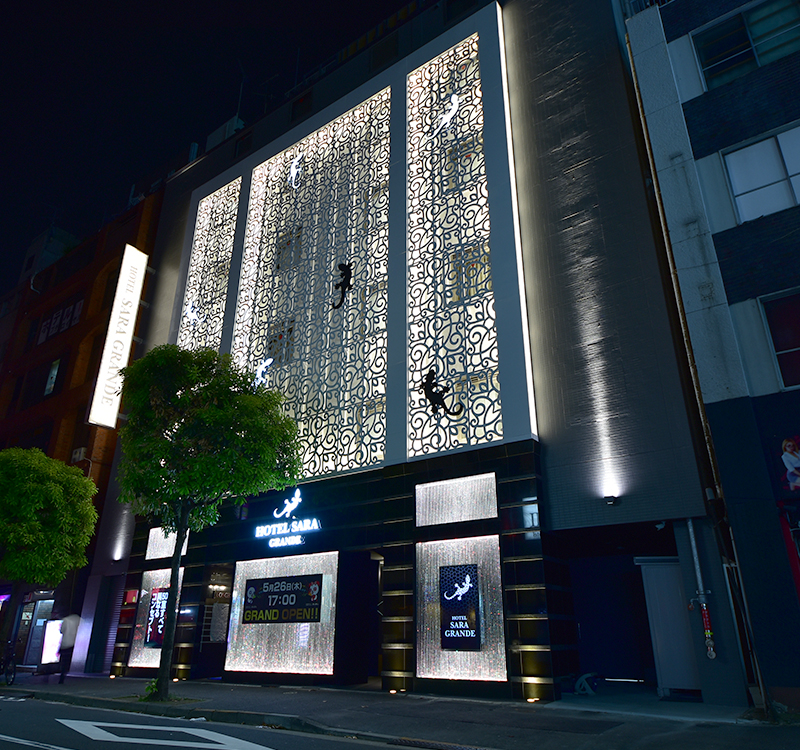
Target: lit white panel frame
x=209, y=265
x=321, y=203
x=141, y=655
x=451, y=311
x=161, y=545
x=488, y=664
x=119, y=338
x=292, y=647
x=454, y=500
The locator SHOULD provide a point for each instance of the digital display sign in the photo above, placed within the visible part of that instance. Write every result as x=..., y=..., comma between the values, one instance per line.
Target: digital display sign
x=287, y=599
x=459, y=600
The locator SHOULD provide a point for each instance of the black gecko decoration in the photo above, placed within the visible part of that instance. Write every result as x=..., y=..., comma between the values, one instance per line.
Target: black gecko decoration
x=435, y=395
x=346, y=274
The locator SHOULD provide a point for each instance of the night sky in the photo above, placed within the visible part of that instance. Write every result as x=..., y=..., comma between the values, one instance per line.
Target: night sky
x=99, y=98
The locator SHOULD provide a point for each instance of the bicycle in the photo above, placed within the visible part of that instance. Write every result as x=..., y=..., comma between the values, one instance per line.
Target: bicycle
x=8, y=665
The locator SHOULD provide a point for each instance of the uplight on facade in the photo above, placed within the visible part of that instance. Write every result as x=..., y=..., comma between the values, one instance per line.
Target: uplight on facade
x=117, y=349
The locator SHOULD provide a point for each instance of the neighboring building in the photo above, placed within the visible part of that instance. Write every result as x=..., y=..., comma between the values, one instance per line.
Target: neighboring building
x=719, y=95
x=57, y=324
x=45, y=250
x=446, y=255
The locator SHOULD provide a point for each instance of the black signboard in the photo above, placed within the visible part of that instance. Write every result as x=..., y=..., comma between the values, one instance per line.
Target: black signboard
x=288, y=599
x=459, y=604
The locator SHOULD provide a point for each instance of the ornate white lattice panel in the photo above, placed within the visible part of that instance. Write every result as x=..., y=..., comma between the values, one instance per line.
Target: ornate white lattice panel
x=312, y=306
x=209, y=266
x=453, y=384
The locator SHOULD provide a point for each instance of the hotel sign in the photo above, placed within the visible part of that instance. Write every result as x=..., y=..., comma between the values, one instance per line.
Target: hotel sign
x=289, y=532
x=459, y=602
x=117, y=349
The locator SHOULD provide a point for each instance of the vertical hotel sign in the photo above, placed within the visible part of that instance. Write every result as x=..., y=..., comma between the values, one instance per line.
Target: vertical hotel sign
x=117, y=349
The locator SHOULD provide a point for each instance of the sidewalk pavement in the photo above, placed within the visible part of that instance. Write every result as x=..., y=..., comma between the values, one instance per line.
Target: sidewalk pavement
x=410, y=719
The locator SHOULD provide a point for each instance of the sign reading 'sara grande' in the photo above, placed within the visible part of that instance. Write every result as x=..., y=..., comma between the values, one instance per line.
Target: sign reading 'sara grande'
x=119, y=336
x=289, y=599
x=459, y=602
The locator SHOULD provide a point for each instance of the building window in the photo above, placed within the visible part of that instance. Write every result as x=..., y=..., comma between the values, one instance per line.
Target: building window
x=280, y=342
x=469, y=273
x=783, y=320
x=748, y=40
x=289, y=248
x=50, y=384
x=765, y=177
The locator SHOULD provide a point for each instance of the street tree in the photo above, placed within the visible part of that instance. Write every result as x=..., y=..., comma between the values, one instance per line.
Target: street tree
x=46, y=521
x=199, y=431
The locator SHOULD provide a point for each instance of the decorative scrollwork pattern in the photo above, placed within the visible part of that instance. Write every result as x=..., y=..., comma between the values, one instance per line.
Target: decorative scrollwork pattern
x=306, y=216
x=209, y=266
x=451, y=318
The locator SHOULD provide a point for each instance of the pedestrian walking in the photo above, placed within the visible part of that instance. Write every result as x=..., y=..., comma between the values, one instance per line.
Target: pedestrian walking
x=69, y=629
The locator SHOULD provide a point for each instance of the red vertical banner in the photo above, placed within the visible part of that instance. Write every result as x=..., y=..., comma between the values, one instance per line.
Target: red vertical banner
x=154, y=632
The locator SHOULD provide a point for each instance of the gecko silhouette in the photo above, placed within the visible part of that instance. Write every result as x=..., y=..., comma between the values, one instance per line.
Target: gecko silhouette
x=346, y=274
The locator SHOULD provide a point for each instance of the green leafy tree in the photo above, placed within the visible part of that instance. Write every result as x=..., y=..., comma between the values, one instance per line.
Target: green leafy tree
x=199, y=431
x=46, y=521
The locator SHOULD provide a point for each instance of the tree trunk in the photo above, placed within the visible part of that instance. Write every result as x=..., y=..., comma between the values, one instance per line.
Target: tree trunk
x=171, y=619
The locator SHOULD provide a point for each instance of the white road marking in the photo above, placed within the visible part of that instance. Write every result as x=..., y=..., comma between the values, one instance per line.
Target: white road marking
x=94, y=731
x=32, y=743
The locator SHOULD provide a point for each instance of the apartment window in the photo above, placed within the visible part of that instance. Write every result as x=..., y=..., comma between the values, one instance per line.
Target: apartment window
x=280, y=342
x=748, y=40
x=783, y=320
x=50, y=384
x=765, y=177
x=289, y=248
x=469, y=273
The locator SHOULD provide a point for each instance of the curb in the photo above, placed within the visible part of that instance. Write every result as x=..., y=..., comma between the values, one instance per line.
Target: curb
x=249, y=718
x=277, y=721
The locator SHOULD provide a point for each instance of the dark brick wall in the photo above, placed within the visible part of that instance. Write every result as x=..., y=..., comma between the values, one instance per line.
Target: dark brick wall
x=760, y=256
x=682, y=16
x=756, y=103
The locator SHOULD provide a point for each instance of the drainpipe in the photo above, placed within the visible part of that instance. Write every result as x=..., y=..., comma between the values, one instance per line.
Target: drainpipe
x=706, y=428
x=701, y=595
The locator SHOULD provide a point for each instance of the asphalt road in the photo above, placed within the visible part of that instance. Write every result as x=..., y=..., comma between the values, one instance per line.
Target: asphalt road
x=55, y=726
x=25, y=722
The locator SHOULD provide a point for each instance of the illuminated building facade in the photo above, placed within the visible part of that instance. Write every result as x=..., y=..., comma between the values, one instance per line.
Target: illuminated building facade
x=445, y=255
x=718, y=91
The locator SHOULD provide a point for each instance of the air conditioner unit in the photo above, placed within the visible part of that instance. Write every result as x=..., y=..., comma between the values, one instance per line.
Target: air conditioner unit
x=78, y=455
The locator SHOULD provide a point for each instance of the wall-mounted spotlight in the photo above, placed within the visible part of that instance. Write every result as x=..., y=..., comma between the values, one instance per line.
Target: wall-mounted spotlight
x=611, y=500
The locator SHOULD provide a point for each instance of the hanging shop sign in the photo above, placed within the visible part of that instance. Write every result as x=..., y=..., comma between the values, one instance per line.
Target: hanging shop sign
x=290, y=531
x=288, y=599
x=459, y=601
